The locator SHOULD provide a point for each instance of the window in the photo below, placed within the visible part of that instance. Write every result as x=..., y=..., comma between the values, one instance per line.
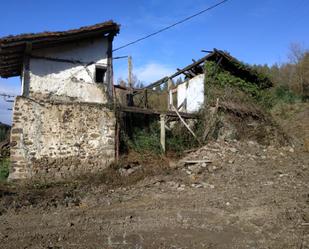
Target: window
x=100, y=74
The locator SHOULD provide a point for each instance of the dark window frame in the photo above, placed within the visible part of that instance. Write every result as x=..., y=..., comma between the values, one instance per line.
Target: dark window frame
x=100, y=74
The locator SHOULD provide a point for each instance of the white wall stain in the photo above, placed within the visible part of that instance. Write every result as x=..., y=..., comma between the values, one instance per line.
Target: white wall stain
x=193, y=92
x=67, y=79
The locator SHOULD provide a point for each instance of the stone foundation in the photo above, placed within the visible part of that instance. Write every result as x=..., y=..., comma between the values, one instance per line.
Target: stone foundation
x=52, y=140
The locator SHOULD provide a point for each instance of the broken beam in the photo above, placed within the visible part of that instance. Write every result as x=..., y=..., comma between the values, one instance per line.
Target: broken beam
x=156, y=112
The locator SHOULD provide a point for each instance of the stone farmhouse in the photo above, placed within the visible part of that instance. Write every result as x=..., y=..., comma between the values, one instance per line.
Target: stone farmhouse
x=68, y=117
x=63, y=122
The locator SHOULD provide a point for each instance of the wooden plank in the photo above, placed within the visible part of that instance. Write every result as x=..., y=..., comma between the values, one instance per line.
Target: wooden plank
x=18, y=60
x=206, y=51
x=63, y=60
x=197, y=161
x=182, y=104
x=157, y=83
x=163, y=80
x=186, y=125
x=192, y=73
x=183, y=72
x=155, y=112
x=8, y=66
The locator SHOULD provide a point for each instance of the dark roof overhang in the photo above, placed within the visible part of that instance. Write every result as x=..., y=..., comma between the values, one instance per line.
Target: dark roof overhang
x=13, y=48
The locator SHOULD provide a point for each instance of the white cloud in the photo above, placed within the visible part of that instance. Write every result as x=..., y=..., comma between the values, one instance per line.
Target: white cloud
x=153, y=71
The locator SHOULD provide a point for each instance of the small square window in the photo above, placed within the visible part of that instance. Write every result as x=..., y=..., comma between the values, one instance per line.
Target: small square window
x=100, y=74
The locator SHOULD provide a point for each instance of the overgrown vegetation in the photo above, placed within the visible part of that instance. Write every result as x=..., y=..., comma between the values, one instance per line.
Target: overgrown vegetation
x=4, y=168
x=147, y=139
x=4, y=132
x=247, y=94
x=222, y=79
x=219, y=80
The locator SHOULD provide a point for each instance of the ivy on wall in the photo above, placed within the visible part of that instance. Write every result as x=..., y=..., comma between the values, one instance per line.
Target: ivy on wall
x=220, y=78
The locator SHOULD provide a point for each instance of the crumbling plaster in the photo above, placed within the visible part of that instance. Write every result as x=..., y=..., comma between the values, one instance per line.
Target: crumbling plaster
x=58, y=79
x=62, y=125
x=192, y=91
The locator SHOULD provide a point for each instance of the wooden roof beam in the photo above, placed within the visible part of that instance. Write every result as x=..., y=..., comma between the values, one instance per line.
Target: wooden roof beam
x=198, y=62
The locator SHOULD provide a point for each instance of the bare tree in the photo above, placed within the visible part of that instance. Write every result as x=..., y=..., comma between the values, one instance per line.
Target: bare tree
x=296, y=52
x=298, y=71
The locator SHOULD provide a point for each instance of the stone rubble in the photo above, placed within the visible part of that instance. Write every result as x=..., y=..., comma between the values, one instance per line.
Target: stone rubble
x=225, y=154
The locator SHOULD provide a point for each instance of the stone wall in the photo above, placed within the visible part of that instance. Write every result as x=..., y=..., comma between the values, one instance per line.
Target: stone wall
x=51, y=140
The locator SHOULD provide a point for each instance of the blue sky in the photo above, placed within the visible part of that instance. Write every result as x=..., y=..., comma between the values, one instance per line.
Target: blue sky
x=253, y=31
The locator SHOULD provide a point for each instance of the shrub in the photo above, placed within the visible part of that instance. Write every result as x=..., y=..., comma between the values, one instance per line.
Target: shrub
x=283, y=94
x=179, y=138
x=146, y=139
x=222, y=80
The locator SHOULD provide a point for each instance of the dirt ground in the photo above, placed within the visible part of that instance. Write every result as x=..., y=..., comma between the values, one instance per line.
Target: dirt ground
x=239, y=195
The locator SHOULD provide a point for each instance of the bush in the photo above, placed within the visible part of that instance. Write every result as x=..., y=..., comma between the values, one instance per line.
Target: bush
x=223, y=79
x=283, y=94
x=4, y=168
x=146, y=139
x=179, y=139
x=267, y=98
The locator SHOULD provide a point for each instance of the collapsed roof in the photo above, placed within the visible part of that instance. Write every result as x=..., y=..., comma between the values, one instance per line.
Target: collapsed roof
x=13, y=48
x=225, y=61
x=239, y=69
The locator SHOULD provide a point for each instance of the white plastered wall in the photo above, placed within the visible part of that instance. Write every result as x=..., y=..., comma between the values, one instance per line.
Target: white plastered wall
x=193, y=92
x=64, y=79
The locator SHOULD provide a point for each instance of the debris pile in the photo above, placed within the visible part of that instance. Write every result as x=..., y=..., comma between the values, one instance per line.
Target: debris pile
x=129, y=168
x=220, y=155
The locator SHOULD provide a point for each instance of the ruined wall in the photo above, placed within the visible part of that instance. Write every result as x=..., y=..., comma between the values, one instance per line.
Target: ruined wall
x=193, y=92
x=59, y=79
x=52, y=140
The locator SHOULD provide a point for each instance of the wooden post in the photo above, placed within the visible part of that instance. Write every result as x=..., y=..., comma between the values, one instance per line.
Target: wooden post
x=117, y=137
x=26, y=70
x=145, y=98
x=109, y=72
x=130, y=83
x=169, y=94
x=162, y=135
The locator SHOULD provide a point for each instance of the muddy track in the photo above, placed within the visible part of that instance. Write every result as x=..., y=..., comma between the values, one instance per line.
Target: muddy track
x=250, y=196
